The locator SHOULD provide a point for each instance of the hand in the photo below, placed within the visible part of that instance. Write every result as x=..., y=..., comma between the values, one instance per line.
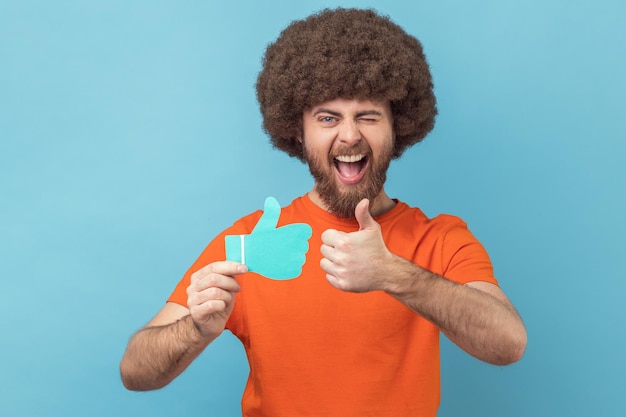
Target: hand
x=276, y=253
x=356, y=262
x=211, y=296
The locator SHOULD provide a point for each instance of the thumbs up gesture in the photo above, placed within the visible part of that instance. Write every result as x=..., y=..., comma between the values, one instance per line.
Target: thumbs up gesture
x=356, y=262
x=276, y=253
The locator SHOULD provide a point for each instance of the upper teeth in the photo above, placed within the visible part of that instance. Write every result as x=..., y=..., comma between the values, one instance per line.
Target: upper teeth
x=350, y=158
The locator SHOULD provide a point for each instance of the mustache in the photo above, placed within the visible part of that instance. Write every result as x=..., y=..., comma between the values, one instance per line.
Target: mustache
x=358, y=149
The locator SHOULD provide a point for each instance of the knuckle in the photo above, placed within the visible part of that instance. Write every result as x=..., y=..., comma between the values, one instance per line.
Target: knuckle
x=213, y=293
x=192, y=300
x=324, y=264
x=342, y=272
x=216, y=305
x=210, y=267
x=342, y=245
x=191, y=290
x=211, y=280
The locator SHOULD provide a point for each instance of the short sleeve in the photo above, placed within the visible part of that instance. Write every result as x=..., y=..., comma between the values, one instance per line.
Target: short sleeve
x=464, y=258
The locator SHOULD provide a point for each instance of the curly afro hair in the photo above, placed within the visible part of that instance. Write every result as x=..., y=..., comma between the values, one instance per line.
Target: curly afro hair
x=345, y=53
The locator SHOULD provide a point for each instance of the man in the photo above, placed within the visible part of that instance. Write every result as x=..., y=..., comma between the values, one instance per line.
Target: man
x=357, y=332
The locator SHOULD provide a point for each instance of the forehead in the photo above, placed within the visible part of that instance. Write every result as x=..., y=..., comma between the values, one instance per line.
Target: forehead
x=349, y=106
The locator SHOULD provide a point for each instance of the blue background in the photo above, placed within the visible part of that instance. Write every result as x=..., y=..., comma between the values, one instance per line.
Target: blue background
x=130, y=136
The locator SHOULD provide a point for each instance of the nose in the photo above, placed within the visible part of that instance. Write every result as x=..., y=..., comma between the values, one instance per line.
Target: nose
x=349, y=132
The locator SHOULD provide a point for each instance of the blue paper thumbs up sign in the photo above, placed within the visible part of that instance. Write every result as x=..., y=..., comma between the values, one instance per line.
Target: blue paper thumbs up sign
x=276, y=253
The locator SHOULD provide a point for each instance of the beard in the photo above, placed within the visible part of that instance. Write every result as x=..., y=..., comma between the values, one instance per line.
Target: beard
x=341, y=199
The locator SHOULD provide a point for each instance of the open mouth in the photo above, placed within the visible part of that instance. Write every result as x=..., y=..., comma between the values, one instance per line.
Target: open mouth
x=350, y=169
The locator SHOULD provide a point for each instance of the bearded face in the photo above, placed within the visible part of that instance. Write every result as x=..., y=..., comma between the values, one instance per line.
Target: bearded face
x=348, y=145
x=346, y=175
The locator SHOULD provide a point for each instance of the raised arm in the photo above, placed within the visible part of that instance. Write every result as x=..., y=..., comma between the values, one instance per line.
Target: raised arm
x=477, y=316
x=164, y=348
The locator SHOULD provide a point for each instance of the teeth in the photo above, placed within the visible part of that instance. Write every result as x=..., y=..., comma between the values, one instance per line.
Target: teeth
x=350, y=158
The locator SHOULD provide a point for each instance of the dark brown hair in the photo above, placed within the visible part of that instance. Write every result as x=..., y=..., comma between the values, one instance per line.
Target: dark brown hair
x=345, y=53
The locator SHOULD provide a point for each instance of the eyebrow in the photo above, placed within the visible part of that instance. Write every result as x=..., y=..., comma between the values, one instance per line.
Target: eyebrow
x=359, y=114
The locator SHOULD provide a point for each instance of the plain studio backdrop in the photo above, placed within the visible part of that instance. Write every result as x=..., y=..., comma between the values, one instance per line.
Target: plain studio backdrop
x=130, y=136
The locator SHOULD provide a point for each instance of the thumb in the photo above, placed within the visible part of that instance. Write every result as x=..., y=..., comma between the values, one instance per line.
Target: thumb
x=363, y=216
x=271, y=213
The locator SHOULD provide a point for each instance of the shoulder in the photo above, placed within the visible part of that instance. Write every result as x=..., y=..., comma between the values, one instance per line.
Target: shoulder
x=444, y=232
x=446, y=244
x=405, y=214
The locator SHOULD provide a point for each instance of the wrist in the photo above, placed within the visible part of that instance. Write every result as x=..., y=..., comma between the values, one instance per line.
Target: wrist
x=406, y=279
x=196, y=335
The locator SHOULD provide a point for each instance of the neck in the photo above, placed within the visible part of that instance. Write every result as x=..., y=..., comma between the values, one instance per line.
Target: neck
x=380, y=204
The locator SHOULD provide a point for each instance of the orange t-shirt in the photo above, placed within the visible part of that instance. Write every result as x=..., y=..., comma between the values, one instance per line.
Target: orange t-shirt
x=316, y=351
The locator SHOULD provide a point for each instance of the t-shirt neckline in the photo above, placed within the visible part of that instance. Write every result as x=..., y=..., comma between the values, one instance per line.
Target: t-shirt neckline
x=319, y=213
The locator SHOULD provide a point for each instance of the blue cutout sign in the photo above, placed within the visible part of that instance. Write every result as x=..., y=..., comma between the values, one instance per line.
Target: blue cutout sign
x=276, y=253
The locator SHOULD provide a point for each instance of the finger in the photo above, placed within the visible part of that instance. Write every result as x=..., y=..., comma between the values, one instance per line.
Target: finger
x=327, y=266
x=203, y=312
x=212, y=294
x=337, y=256
x=363, y=215
x=229, y=268
x=331, y=237
x=212, y=280
x=214, y=300
x=271, y=213
x=333, y=268
x=335, y=282
x=326, y=252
